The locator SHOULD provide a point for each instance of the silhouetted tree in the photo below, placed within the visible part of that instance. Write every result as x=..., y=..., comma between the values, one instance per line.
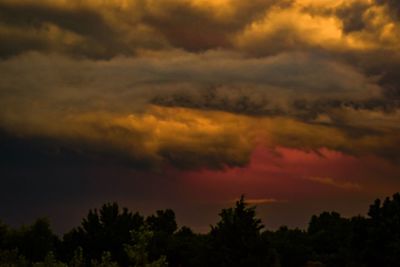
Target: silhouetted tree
x=358, y=241
x=105, y=261
x=12, y=258
x=138, y=253
x=104, y=230
x=162, y=225
x=34, y=242
x=50, y=261
x=329, y=235
x=163, y=221
x=3, y=235
x=236, y=240
x=112, y=237
x=77, y=260
x=187, y=249
x=383, y=248
x=292, y=246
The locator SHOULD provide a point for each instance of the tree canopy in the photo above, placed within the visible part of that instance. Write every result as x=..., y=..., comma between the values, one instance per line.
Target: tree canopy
x=113, y=237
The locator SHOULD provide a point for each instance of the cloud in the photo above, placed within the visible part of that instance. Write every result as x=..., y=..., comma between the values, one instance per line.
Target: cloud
x=356, y=33
x=185, y=139
x=193, y=110
x=293, y=84
x=392, y=6
x=91, y=29
x=202, y=25
x=352, y=16
x=193, y=139
x=300, y=74
x=106, y=29
x=335, y=183
x=258, y=201
x=263, y=201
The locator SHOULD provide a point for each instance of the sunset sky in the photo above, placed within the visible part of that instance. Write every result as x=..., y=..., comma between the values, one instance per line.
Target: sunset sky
x=187, y=104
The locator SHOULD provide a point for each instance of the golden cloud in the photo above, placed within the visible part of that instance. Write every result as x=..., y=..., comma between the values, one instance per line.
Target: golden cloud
x=224, y=75
x=195, y=139
x=260, y=27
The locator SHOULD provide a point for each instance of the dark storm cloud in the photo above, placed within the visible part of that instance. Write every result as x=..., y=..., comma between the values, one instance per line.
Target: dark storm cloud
x=79, y=20
x=235, y=57
x=30, y=28
x=13, y=44
x=187, y=30
x=197, y=29
x=382, y=67
x=389, y=80
x=253, y=104
x=39, y=151
x=393, y=7
x=105, y=30
x=212, y=99
x=352, y=16
x=102, y=107
x=56, y=179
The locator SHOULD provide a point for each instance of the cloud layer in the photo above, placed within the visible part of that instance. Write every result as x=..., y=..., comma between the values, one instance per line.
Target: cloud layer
x=182, y=88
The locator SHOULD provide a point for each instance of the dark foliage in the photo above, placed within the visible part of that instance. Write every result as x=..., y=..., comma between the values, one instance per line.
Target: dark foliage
x=105, y=230
x=236, y=239
x=112, y=236
x=291, y=246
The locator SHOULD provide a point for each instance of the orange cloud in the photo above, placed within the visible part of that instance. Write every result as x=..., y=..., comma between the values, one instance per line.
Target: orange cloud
x=104, y=29
x=263, y=201
x=190, y=138
x=332, y=182
x=307, y=96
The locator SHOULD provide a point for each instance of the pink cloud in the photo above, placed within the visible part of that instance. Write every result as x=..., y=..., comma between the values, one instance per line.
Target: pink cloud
x=285, y=173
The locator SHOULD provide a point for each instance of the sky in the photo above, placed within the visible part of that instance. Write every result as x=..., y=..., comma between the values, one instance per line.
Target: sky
x=188, y=104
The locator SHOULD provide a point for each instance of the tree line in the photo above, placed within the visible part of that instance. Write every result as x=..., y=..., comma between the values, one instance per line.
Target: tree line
x=113, y=237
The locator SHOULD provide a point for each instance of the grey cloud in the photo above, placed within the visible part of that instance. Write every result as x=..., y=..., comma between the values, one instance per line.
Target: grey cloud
x=352, y=16
x=214, y=80
x=76, y=105
x=80, y=20
x=28, y=28
x=216, y=98
x=393, y=7
x=198, y=29
x=105, y=30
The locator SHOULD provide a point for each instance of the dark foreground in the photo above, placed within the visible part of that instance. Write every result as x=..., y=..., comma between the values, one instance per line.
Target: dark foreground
x=114, y=237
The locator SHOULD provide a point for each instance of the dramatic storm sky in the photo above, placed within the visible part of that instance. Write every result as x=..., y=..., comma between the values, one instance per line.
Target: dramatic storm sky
x=187, y=104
